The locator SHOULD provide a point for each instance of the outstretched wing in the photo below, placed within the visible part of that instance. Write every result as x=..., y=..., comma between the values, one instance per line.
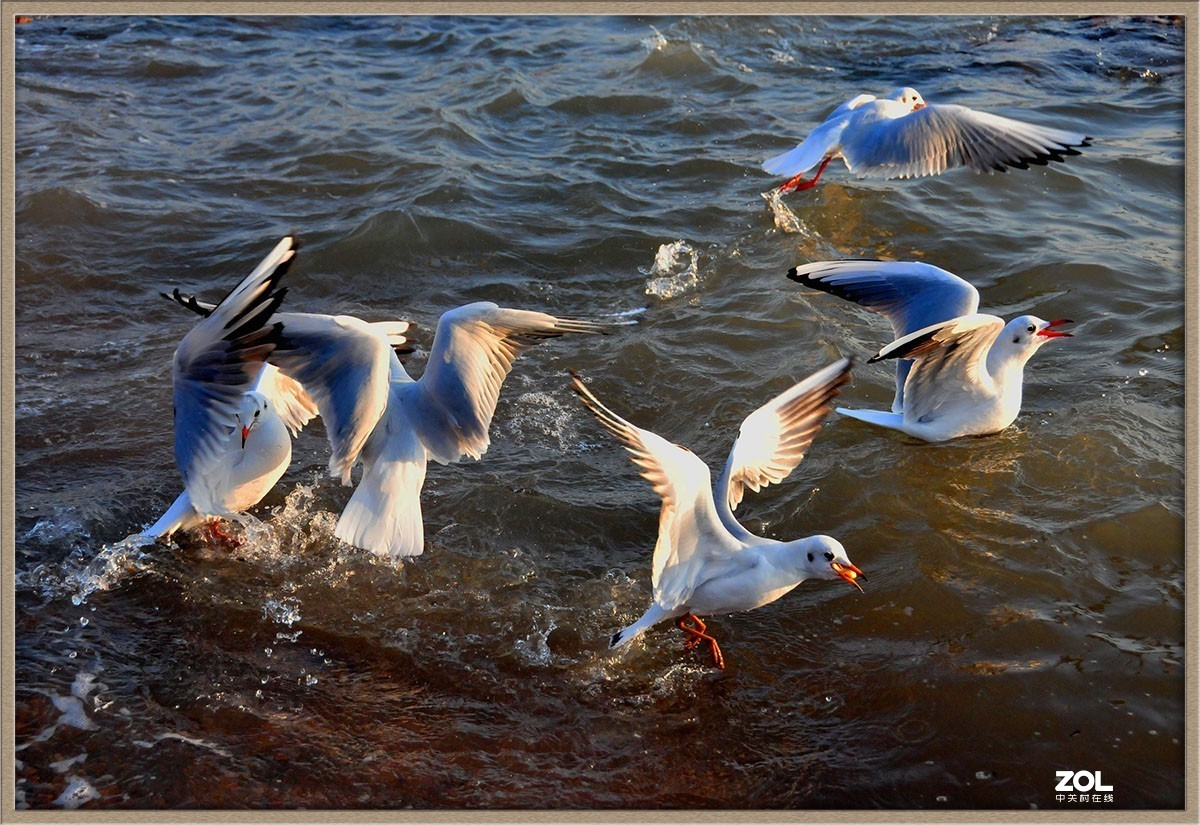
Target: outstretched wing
x=950, y=359
x=216, y=362
x=345, y=365
x=689, y=531
x=473, y=351
x=774, y=438
x=932, y=139
x=909, y=294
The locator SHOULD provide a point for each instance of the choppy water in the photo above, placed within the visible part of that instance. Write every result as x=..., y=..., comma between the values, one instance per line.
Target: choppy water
x=1024, y=612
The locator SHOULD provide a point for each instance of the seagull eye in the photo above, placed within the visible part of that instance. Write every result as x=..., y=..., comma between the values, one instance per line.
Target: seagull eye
x=828, y=556
x=1031, y=328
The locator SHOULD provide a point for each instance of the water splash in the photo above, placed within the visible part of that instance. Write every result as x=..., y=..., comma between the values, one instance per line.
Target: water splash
x=675, y=270
x=655, y=42
x=285, y=611
x=112, y=564
x=785, y=218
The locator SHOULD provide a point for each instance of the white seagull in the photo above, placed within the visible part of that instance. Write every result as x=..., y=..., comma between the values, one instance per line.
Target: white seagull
x=960, y=372
x=256, y=453
x=230, y=445
x=258, y=449
x=374, y=412
x=901, y=136
x=705, y=561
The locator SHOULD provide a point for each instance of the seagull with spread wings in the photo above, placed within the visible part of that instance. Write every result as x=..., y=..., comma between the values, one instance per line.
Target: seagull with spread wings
x=902, y=136
x=959, y=372
x=705, y=562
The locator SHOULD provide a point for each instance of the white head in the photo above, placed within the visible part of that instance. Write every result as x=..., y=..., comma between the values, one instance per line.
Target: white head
x=823, y=557
x=909, y=97
x=1023, y=336
x=254, y=407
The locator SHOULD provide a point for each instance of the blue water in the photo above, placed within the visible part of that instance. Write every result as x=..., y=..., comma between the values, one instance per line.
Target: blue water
x=1025, y=602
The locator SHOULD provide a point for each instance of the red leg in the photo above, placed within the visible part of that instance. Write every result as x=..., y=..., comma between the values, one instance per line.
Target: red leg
x=699, y=634
x=798, y=184
x=214, y=527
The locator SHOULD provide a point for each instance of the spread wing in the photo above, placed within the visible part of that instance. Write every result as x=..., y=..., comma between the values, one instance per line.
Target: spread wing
x=950, y=359
x=473, y=351
x=774, y=438
x=345, y=365
x=938, y=137
x=909, y=294
x=690, y=534
x=219, y=360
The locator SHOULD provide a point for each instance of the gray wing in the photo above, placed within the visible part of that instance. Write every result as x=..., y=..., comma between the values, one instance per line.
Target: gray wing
x=691, y=535
x=217, y=361
x=950, y=360
x=821, y=141
x=909, y=294
x=473, y=351
x=936, y=137
x=345, y=365
x=774, y=438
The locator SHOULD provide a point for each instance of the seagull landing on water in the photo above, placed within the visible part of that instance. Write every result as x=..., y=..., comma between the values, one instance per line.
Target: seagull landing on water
x=960, y=372
x=901, y=136
x=375, y=413
x=258, y=447
x=230, y=446
x=705, y=561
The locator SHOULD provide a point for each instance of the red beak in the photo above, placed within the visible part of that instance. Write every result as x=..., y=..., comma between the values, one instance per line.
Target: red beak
x=1048, y=331
x=848, y=572
x=918, y=106
x=245, y=432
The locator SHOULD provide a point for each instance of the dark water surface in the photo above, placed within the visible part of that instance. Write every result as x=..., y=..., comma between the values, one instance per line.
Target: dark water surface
x=1025, y=604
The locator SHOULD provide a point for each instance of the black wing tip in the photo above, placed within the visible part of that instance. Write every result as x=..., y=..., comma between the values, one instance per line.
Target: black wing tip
x=187, y=302
x=1058, y=155
x=614, y=640
x=902, y=352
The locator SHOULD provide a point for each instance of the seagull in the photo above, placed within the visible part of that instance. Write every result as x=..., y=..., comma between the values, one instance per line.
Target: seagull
x=230, y=444
x=901, y=136
x=258, y=448
x=959, y=372
x=374, y=412
x=256, y=453
x=705, y=561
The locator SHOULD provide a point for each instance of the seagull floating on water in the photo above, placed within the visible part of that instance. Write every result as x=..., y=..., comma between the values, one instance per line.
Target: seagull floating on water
x=961, y=372
x=705, y=561
x=232, y=414
x=374, y=412
x=901, y=136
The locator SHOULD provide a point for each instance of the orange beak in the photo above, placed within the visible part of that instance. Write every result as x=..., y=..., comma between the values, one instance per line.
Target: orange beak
x=918, y=106
x=848, y=572
x=245, y=432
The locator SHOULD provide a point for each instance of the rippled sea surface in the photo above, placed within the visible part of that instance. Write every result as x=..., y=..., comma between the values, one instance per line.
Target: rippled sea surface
x=1025, y=604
